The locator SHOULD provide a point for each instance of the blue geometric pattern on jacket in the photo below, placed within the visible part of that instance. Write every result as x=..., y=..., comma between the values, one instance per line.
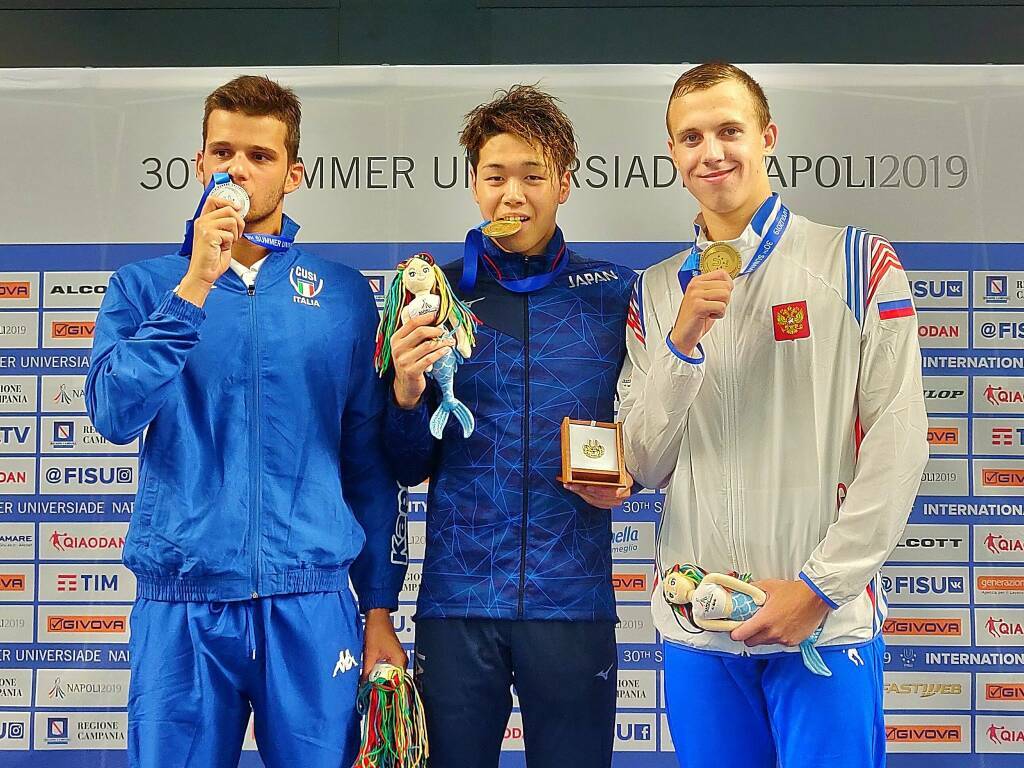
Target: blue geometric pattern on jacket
x=504, y=539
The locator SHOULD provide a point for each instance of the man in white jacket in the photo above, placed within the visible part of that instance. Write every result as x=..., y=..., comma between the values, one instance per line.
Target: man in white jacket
x=774, y=389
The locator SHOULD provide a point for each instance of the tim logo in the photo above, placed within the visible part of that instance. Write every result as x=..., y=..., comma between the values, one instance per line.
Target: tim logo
x=56, y=730
x=15, y=290
x=997, y=289
x=1006, y=436
x=72, y=330
x=306, y=284
x=11, y=731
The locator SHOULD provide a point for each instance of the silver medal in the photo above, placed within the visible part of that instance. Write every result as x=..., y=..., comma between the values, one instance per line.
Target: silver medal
x=233, y=194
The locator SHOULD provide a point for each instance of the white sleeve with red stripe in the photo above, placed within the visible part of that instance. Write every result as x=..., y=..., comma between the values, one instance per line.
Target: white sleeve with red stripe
x=656, y=387
x=894, y=449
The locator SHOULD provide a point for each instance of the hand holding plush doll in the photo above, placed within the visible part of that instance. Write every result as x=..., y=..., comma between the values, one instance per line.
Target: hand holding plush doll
x=421, y=288
x=720, y=602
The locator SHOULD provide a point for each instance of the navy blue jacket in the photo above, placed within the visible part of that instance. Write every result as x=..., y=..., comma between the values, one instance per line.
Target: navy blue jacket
x=262, y=468
x=504, y=539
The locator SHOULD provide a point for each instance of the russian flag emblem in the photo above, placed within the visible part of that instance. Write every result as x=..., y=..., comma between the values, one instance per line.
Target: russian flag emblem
x=888, y=310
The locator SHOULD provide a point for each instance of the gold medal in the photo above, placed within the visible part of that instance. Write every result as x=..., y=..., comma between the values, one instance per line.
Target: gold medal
x=720, y=256
x=502, y=228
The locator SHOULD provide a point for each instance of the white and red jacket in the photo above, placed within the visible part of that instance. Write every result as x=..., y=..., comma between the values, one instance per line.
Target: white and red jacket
x=792, y=446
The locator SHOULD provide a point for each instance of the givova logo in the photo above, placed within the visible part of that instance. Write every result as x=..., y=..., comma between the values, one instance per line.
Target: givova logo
x=84, y=623
x=928, y=626
x=928, y=733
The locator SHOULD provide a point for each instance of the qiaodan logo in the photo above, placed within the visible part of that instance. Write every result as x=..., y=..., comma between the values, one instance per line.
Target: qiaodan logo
x=306, y=284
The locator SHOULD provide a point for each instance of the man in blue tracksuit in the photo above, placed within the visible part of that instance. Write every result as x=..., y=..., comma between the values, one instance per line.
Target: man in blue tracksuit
x=516, y=585
x=248, y=364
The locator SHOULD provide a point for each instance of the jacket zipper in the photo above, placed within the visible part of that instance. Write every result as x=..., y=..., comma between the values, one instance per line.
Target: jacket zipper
x=526, y=446
x=254, y=448
x=728, y=397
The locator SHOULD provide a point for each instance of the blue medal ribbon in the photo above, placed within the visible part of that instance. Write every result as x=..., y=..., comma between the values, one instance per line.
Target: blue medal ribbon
x=276, y=243
x=773, y=233
x=476, y=249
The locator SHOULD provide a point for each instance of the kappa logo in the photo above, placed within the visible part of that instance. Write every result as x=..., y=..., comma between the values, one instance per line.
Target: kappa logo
x=306, y=284
x=400, y=538
x=345, y=662
x=854, y=656
x=791, y=321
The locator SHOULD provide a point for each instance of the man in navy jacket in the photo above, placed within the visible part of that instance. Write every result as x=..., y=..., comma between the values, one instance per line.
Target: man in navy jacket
x=517, y=574
x=248, y=364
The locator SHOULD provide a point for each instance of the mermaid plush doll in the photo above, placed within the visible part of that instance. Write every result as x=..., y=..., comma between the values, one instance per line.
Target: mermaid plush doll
x=720, y=602
x=421, y=288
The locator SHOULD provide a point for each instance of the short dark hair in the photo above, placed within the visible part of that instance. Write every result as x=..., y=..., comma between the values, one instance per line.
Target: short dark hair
x=259, y=96
x=704, y=76
x=525, y=112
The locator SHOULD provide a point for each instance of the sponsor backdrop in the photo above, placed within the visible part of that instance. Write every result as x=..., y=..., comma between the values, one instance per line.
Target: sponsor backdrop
x=98, y=173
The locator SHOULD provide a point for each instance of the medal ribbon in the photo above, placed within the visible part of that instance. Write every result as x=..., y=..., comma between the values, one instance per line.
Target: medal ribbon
x=276, y=243
x=773, y=233
x=476, y=249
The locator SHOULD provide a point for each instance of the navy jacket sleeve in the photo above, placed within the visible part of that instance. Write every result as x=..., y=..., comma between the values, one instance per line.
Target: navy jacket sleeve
x=411, y=449
x=367, y=481
x=135, y=358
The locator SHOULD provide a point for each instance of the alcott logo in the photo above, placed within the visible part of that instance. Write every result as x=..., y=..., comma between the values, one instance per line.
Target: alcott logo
x=306, y=284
